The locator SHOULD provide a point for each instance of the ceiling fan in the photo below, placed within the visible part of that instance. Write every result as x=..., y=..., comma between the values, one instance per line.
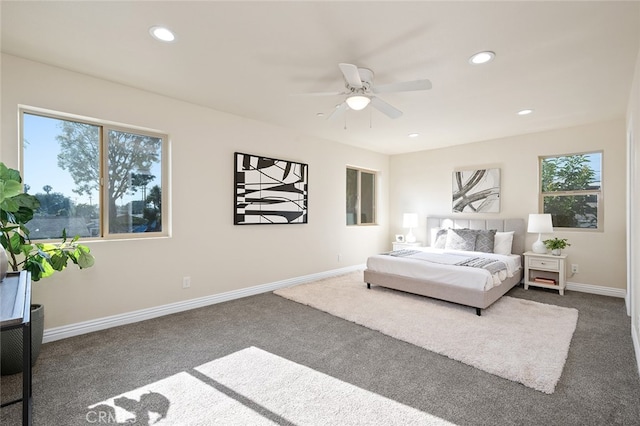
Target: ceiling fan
x=360, y=91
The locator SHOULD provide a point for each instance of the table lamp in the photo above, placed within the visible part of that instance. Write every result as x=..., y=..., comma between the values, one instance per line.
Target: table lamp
x=410, y=220
x=540, y=224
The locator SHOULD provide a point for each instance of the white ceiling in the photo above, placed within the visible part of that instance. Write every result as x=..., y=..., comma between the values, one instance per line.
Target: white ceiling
x=572, y=62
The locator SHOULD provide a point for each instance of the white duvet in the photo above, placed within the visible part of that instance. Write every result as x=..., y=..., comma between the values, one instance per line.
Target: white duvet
x=427, y=264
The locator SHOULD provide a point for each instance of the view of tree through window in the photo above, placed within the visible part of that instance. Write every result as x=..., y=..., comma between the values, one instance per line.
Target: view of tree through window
x=361, y=197
x=76, y=169
x=571, y=189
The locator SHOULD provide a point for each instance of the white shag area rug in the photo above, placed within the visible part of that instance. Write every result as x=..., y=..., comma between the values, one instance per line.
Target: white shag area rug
x=516, y=339
x=255, y=387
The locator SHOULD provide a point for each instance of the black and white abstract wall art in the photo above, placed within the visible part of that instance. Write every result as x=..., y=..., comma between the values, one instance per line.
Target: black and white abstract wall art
x=270, y=191
x=476, y=191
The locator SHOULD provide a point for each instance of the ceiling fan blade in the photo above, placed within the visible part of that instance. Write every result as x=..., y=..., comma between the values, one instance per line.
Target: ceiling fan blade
x=319, y=94
x=404, y=86
x=385, y=107
x=351, y=75
x=338, y=111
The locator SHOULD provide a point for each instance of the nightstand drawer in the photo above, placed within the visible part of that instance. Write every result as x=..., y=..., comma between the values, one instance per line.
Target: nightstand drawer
x=547, y=264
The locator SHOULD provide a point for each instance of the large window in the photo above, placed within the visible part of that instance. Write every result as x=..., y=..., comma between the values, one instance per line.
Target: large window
x=571, y=190
x=92, y=179
x=361, y=197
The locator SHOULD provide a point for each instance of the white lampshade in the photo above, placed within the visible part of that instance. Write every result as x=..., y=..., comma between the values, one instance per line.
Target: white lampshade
x=540, y=224
x=358, y=102
x=410, y=220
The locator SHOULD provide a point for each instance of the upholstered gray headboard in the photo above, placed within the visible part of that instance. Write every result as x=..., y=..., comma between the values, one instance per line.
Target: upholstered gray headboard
x=503, y=225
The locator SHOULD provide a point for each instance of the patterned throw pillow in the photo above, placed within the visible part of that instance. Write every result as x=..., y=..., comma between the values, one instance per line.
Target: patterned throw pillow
x=485, y=240
x=440, y=239
x=461, y=239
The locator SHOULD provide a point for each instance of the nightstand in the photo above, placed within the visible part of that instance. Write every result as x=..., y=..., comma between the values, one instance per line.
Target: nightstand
x=545, y=270
x=403, y=246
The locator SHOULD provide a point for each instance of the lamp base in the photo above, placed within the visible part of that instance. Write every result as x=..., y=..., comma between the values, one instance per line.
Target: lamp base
x=539, y=247
x=410, y=238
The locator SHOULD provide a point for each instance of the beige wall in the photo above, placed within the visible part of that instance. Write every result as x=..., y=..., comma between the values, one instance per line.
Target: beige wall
x=205, y=245
x=219, y=257
x=422, y=183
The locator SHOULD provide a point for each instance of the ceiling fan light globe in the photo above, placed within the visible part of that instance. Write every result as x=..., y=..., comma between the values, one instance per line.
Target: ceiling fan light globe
x=358, y=102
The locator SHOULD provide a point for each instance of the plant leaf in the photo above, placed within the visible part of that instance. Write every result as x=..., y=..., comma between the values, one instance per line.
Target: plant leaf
x=9, y=189
x=58, y=260
x=85, y=259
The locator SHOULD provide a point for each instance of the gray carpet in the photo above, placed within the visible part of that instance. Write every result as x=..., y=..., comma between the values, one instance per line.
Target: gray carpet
x=599, y=384
x=215, y=392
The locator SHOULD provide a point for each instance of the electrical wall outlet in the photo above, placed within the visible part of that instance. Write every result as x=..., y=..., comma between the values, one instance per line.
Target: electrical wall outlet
x=186, y=282
x=574, y=268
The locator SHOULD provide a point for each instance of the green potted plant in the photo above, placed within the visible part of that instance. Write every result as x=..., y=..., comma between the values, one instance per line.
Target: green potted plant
x=19, y=253
x=556, y=245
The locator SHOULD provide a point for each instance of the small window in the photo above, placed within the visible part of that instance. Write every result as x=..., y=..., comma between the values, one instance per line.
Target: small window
x=361, y=197
x=92, y=179
x=571, y=190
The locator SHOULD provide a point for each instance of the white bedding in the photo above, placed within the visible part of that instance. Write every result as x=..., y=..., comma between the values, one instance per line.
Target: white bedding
x=424, y=265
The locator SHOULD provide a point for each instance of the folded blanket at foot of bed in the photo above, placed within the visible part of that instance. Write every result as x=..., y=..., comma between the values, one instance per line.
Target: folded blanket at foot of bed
x=498, y=269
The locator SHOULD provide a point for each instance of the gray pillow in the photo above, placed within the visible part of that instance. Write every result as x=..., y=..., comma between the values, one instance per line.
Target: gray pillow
x=461, y=239
x=485, y=240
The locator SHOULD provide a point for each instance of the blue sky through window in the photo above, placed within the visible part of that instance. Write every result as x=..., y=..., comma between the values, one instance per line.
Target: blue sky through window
x=40, y=165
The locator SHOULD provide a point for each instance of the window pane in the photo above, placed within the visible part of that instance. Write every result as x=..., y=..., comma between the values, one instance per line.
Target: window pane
x=352, y=196
x=61, y=168
x=134, y=182
x=572, y=172
x=367, y=194
x=570, y=189
x=573, y=211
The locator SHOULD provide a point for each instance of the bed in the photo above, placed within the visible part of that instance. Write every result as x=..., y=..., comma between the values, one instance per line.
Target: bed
x=432, y=271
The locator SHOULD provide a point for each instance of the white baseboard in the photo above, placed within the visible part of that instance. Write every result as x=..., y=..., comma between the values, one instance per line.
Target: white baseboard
x=636, y=343
x=57, y=333
x=597, y=289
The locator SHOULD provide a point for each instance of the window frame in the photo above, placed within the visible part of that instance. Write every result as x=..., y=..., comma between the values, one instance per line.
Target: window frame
x=106, y=126
x=599, y=193
x=358, y=207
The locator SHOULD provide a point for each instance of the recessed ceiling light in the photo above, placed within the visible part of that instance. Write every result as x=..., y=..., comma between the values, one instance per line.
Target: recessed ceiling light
x=162, y=34
x=413, y=135
x=482, y=58
x=525, y=111
x=320, y=114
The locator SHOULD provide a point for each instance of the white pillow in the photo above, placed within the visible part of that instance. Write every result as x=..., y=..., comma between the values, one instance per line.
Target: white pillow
x=502, y=243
